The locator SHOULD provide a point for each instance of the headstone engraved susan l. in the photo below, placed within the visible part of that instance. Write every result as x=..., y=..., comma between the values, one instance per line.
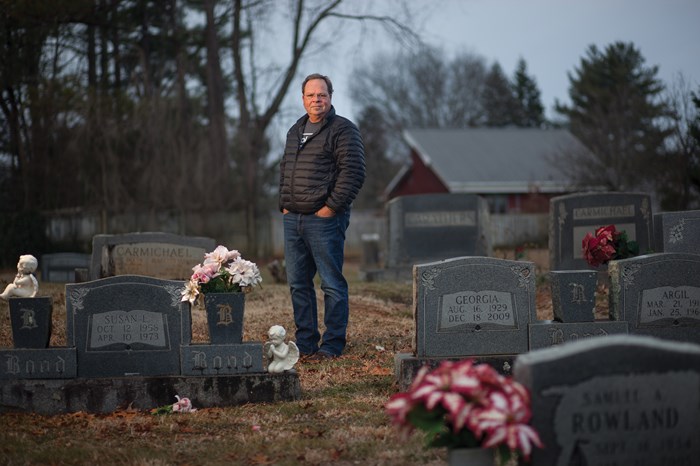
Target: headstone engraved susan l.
x=574, y=215
x=617, y=401
x=473, y=306
x=658, y=295
x=430, y=227
x=126, y=325
x=159, y=255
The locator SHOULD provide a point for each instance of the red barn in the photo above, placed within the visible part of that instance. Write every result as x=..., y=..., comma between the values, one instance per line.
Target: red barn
x=511, y=167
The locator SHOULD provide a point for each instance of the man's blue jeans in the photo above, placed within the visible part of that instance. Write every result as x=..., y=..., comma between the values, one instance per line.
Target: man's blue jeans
x=315, y=244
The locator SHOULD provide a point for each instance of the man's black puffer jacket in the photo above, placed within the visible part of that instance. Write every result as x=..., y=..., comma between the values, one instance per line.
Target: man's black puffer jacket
x=328, y=169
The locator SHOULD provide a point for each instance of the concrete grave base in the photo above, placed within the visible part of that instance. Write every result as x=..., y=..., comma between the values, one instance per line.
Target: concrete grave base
x=104, y=395
x=400, y=274
x=406, y=365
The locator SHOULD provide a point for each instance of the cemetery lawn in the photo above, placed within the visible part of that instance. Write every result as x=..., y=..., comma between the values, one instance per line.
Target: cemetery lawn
x=338, y=420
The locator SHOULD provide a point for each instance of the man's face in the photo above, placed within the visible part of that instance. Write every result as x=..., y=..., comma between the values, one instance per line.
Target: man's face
x=317, y=100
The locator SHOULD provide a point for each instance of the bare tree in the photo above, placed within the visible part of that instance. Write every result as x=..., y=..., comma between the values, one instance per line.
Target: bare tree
x=422, y=88
x=678, y=168
x=255, y=116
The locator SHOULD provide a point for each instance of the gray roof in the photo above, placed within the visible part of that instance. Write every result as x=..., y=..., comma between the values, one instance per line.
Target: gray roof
x=495, y=160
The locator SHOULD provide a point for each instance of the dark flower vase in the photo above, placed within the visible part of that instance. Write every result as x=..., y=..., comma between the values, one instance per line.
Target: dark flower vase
x=31, y=322
x=470, y=457
x=225, y=317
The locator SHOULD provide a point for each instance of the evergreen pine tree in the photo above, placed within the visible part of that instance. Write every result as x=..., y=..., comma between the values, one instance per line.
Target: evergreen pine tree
x=530, y=112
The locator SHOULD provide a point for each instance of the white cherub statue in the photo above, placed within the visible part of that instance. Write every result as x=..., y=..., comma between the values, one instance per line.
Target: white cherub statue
x=25, y=284
x=282, y=355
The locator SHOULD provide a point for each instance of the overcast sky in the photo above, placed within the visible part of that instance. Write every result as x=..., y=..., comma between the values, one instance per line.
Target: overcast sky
x=551, y=35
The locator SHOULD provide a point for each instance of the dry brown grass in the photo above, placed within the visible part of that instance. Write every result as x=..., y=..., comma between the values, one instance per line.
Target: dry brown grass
x=338, y=420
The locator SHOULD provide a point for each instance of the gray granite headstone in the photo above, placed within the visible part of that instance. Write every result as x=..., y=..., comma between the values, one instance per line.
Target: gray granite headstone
x=159, y=255
x=61, y=266
x=574, y=215
x=473, y=306
x=677, y=231
x=126, y=325
x=658, y=295
x=620, y=400
x=430, y=227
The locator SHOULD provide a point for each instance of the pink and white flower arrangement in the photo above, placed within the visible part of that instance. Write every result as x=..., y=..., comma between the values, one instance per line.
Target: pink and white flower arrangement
x=182, y=405
x=467, y=405
x=222, y=271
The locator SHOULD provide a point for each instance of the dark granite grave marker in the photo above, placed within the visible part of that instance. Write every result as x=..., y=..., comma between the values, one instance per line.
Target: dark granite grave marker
x=159, y=255
x=574, y=215
x=473, y=306
x=432, y=227
x=677, y=231
x=658, y=295
x=126, y=325
x=61, y=266
x=620, y=400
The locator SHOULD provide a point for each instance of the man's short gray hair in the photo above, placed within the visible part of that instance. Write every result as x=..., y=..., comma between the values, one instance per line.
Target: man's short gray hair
x=329, y=84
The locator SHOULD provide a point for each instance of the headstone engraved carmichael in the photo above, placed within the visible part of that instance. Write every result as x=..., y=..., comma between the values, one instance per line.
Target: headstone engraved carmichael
x=572, y=216
x=160, y=255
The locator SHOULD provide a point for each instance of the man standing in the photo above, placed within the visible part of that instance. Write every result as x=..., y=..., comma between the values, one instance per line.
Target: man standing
x=322, y=170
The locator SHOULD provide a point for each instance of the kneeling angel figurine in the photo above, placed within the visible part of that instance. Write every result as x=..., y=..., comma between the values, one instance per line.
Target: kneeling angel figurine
x=282, y=355
x=25, y=284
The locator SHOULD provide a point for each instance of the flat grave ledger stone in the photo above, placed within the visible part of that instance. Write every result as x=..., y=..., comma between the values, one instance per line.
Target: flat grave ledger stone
x=574, y=215
x=473, y=306
x=545, y=334
x=658, y=295
x=127, y=325
x=677, y=231
x=45, y=363
x=159, y=255
x=222, y=359
x=620, y=400
x=61, y=266
x=430, y=227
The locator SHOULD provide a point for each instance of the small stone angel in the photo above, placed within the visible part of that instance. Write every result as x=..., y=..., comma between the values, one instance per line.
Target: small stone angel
x=25, y=284
x=282, y=356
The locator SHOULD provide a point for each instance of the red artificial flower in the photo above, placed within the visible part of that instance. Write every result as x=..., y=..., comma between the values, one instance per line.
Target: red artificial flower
x=601, y=248
x=466, y=404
